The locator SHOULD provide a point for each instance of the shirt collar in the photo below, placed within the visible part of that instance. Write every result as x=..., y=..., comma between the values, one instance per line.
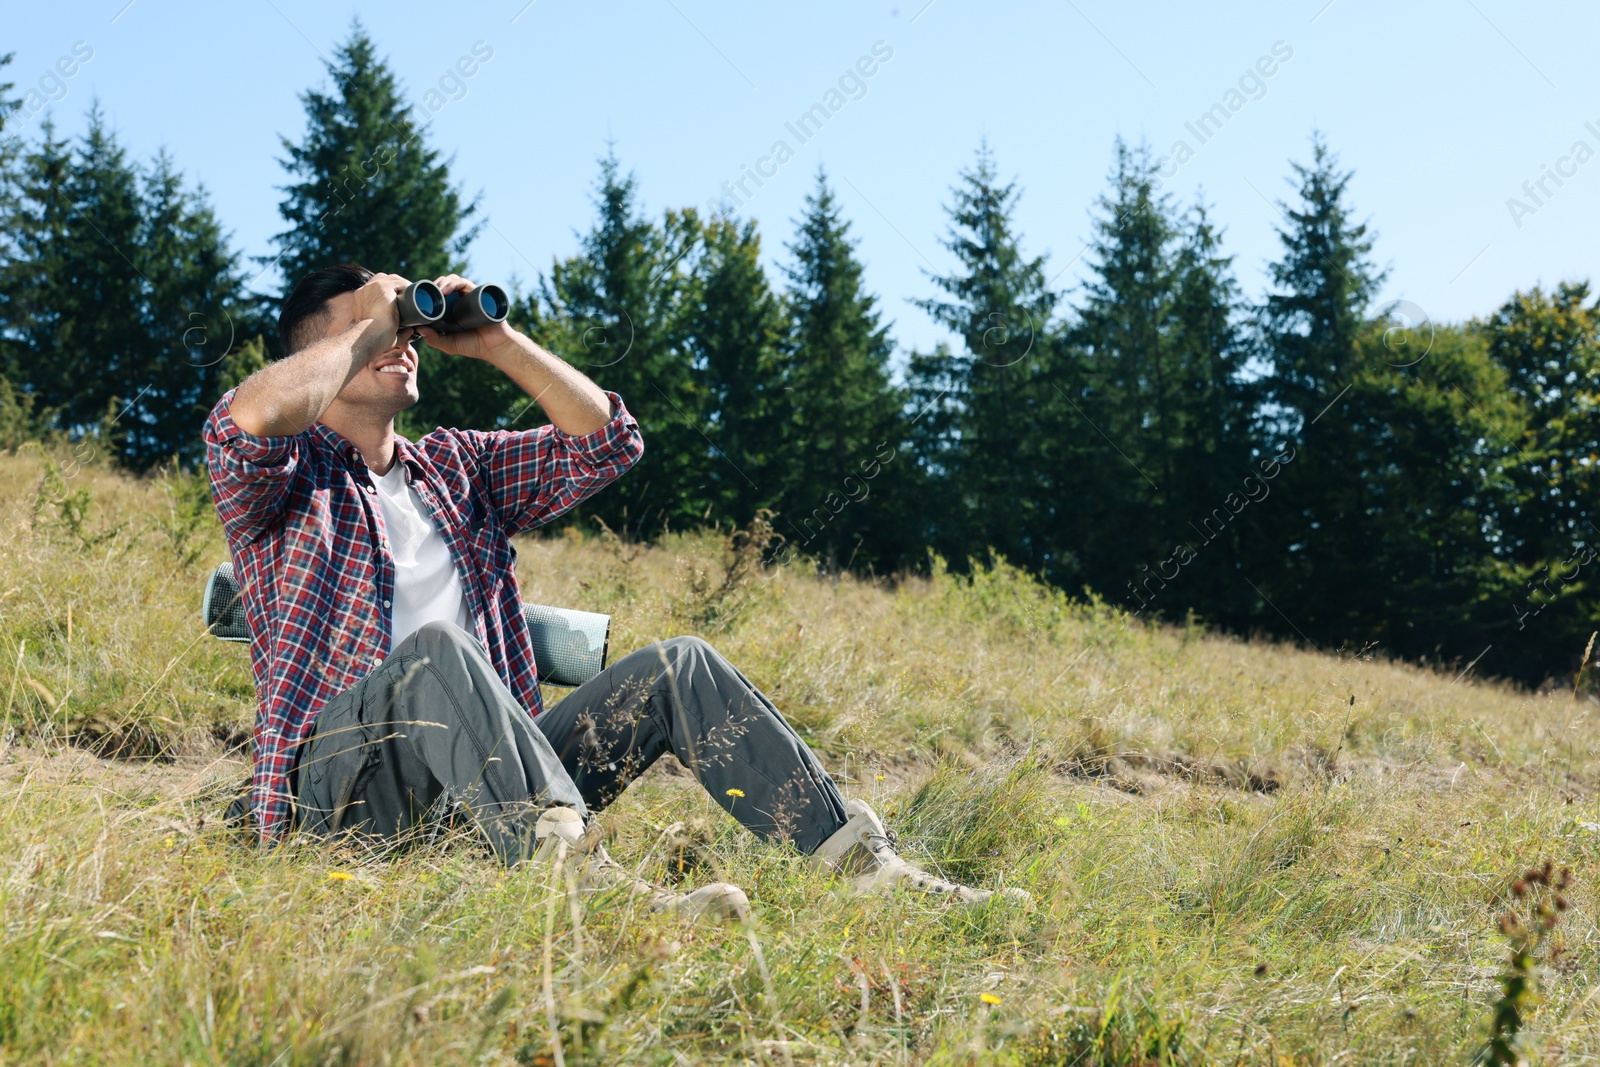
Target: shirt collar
x=405, y=452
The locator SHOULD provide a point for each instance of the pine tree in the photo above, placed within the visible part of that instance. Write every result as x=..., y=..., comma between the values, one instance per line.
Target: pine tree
x=986, y=481
x=73, y=281
x=193, y=313
x=8, y=103
x=368, y=189
x=1211, y=335
x=1213, y=459
x=844, y=497
x=20, y=419
x=733, y=326
x=122, y=297
x=1325, y=285
x=616, y=311
x=1127, y=363
x=1320, y=547
x=1156, y=355
x=10, y=144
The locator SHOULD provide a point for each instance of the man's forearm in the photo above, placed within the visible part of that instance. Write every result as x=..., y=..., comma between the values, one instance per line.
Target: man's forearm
x=290, y=395
x=574, y=404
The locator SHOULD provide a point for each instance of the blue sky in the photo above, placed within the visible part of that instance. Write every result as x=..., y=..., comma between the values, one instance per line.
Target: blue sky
x=1444, y=110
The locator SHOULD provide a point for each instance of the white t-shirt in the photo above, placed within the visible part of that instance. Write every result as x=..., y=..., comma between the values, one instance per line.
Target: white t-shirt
x=426, y=585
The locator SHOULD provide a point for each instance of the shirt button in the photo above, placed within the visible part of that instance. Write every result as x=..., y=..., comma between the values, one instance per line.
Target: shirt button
x=385, y=603
x=385, y=542
x=369, y=487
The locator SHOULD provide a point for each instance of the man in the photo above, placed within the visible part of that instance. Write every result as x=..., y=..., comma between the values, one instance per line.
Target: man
x=398, y=690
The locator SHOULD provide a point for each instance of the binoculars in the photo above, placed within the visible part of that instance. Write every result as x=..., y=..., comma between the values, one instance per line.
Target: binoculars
x=422, y=304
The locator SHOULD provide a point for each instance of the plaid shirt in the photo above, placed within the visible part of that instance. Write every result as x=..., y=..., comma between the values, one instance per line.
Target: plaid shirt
x=308, y=543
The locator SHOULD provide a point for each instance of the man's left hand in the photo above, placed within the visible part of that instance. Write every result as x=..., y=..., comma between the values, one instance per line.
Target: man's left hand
x=482, y=343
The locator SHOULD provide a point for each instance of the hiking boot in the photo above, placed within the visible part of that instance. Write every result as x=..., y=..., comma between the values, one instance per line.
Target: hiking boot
x=862, y=847
x=561, y=832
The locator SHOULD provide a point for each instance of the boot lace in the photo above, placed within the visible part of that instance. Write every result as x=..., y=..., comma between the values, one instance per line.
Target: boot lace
x=888, y=838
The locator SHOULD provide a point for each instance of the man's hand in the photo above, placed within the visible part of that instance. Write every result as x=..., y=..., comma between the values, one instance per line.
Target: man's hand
x=288, y=396
x=377, y=311
x=481, y=343
x=575, y=404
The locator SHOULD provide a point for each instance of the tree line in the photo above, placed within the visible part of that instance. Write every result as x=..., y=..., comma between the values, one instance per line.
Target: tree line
x=1313, y=466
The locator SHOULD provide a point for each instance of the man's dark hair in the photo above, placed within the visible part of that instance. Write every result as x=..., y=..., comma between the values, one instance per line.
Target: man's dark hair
x=304, y=317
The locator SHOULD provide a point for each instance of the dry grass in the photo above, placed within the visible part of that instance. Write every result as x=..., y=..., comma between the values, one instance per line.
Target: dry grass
x=1243, y=852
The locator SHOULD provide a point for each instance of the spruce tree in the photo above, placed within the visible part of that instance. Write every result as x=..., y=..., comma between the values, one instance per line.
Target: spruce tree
x=616, y=311
x=20, y=420
x=1127, y=362
x=733, y=328
x=194, y=313
x=10, y=145
x=1218, y=460
x=1156, y=353
x=1317, y=563
x=74, y=283
x=368, y=189
x=984, y=464
x=122, y=297
x=846, y=465
x=8, y=103
x=1325, y=284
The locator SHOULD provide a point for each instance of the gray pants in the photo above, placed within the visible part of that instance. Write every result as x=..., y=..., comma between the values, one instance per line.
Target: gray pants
x=433, y=735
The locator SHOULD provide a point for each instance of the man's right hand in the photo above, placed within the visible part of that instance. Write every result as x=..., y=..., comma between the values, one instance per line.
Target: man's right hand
x=288, y=396
x=377, y=309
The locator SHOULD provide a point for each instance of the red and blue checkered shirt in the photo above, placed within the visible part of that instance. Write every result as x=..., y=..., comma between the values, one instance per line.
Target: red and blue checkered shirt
x=307, y=537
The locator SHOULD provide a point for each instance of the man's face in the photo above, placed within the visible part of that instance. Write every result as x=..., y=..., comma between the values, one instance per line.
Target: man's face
x=389, y=382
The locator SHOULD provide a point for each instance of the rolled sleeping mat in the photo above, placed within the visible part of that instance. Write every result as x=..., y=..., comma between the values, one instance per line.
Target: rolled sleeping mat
x=421, y=304
x=484, y=306
x=569, y=647
x=222, y=608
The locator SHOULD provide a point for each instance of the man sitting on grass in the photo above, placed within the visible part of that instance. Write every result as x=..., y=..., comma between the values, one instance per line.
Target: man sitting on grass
x=397, y=685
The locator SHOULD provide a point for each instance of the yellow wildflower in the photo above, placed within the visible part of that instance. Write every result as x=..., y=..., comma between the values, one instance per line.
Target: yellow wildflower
x=340, y=876
x=736, y=792
x=880, y=777
x=988, y=998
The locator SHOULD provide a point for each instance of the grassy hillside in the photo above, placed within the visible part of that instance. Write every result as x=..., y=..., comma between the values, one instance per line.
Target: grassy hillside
x=1242, y=852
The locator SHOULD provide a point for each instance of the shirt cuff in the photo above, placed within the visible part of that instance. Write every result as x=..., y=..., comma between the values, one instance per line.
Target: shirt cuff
x=242, y=446
x=620, y=435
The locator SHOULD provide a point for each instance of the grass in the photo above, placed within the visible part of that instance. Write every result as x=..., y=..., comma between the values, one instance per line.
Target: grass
x=1242, y=852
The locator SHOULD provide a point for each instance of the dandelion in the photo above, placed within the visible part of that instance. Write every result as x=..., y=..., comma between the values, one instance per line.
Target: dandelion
x=880, y=777
x=169, y=842
x=340, y=876
x=736, y=792
x=988, y=998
